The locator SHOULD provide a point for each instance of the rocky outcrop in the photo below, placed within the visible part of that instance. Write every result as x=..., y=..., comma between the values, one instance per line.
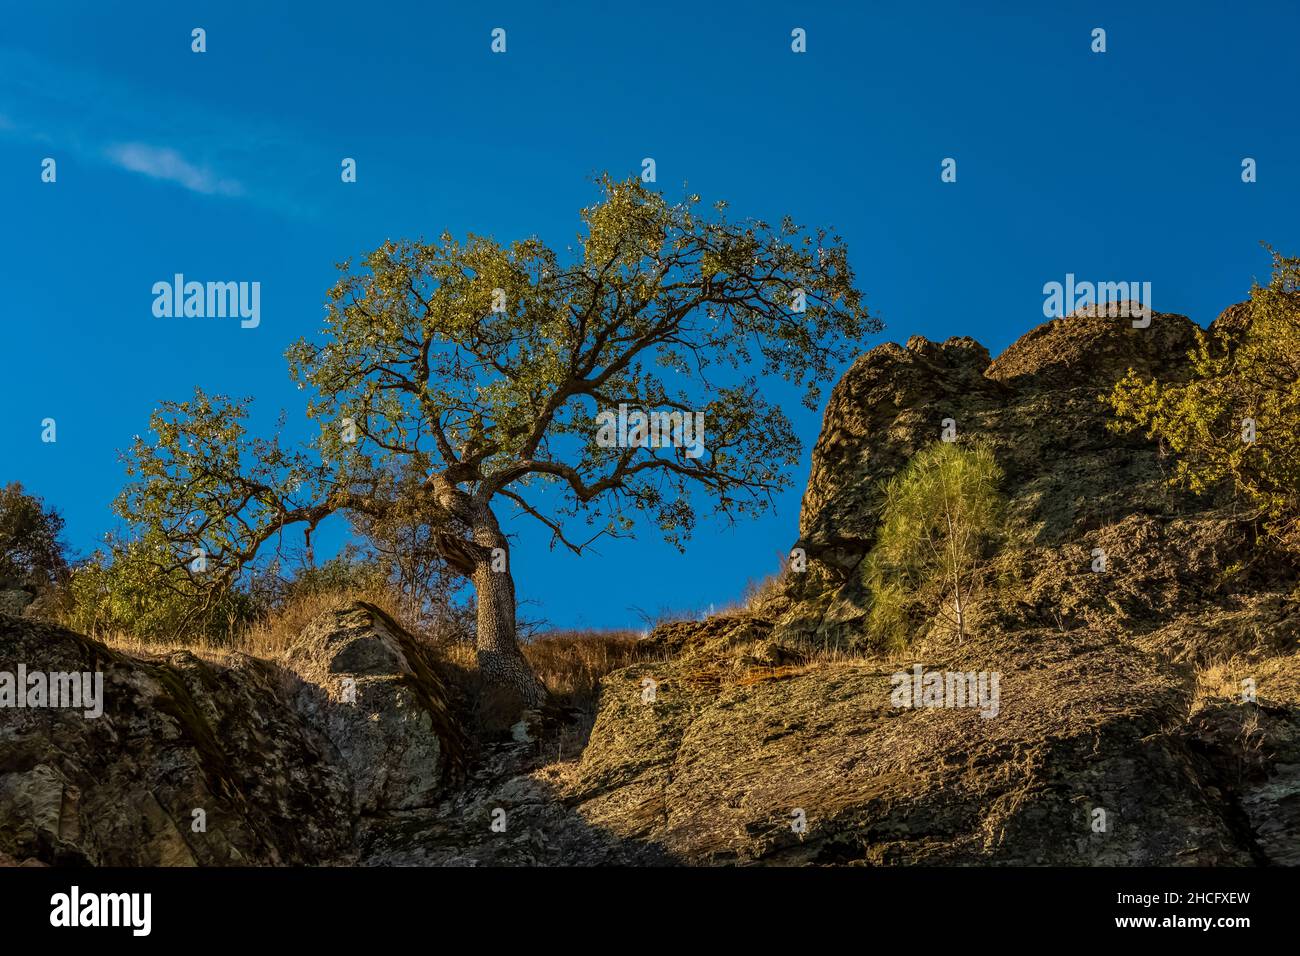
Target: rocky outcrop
x=1092, y=348
x=234, y=763
x=190, y=763
x=890, y=402
x=814, y=764
x=1145, y=714
x=1233, y=320
x=1107, y=747
x=373, y=691
x=1038, y=406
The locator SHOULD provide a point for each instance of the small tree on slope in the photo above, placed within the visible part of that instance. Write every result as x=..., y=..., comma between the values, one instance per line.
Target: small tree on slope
x=939, y=513
x=31, y=549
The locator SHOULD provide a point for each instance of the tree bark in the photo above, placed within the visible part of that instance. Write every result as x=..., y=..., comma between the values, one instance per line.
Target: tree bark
x=500, y=660
x=485, y=560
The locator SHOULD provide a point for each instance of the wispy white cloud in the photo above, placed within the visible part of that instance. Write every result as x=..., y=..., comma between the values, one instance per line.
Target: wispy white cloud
x=154, y=132
x=161, y=162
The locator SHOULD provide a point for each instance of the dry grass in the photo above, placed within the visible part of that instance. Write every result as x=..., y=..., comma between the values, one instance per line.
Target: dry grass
x=571, y=663
x=268, y=638
x=129, y=644
x=272, y=636
x=763, y=591
x=757, y=675
x=1277, y=679
x=1221, y=679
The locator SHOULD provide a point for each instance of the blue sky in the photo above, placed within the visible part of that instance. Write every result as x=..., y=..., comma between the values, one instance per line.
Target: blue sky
x=225, y=165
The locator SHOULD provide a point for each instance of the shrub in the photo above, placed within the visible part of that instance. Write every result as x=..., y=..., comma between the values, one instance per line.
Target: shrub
x=123, y=592
x=31, y=551
x=939, y=514
x=1236, y=423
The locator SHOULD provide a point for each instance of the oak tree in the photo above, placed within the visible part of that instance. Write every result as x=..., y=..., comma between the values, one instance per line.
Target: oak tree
x=483, y=368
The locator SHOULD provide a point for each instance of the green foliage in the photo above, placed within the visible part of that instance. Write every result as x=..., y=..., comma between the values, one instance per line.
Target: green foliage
x=1252, y=372
x=351, y=570
x=203, y=482
x=127, y=591
x=938, y=517
x=453, y=378
x=657, y=300
x=31, y=552
x=132, y=590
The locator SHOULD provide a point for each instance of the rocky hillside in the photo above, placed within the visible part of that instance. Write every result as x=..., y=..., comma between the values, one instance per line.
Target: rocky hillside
x=1120, y=691
x=766, y=735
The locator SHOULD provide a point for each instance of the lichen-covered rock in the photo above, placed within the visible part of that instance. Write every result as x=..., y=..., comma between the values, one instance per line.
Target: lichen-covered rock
x=190, y=763
x=373, y=691
x=1038, y=406
x=1091, y=348
x=1234, y=320
x=719, y=769
x=891, y=402
x=238, y=763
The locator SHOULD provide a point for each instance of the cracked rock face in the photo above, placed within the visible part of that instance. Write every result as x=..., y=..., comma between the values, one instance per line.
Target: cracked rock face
x=1102, y=706
x=190, y=763
x=239, y=763
x=719, y=768
x=1038, y=405
x=371, y=690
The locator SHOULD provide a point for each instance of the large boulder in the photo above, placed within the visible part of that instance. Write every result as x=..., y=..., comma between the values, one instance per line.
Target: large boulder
x=890, y=402
x=1234, y=320
x=1039, y=406
x=764, y=742
x=1093, y=348
x=237, y=762
x=374, y=692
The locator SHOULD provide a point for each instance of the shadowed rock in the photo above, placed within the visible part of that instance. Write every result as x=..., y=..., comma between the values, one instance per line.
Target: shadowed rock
x=278, y=764
x=177, y=735
x=372, y=690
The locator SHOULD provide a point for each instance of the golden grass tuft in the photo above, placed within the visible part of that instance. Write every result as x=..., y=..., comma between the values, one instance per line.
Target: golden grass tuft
x=272, y=636
x=571, y=663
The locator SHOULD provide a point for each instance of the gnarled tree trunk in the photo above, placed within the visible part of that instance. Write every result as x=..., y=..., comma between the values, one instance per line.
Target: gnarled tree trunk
x=484, y=558
x=500, y=660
